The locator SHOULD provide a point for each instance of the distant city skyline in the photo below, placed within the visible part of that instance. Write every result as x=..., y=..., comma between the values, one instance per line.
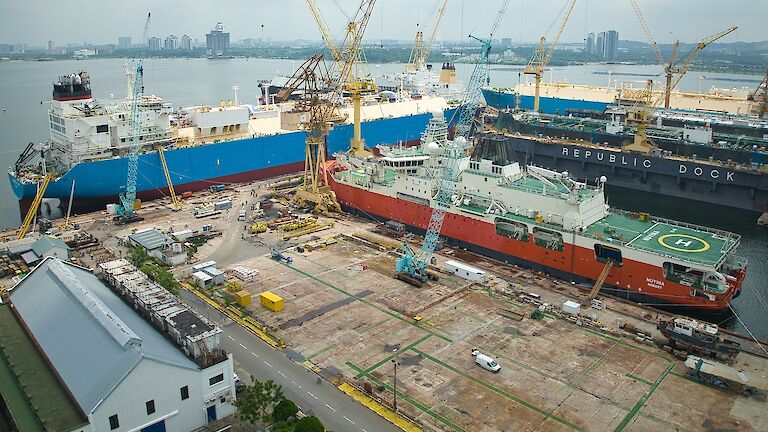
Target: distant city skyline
x=35, y=22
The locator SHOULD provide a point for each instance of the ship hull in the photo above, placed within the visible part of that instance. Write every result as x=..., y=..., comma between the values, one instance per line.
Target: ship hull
x=549, y=105
x=633, y=279
x=198, y=167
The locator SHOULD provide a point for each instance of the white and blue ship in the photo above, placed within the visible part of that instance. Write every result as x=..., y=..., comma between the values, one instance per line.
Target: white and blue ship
x=203, y=145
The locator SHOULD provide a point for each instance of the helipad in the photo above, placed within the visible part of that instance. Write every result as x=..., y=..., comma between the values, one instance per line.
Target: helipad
x=684, y=243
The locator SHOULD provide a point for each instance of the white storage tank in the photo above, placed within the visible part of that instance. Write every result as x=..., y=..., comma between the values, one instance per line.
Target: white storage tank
x=464, y=271
x=571, y=307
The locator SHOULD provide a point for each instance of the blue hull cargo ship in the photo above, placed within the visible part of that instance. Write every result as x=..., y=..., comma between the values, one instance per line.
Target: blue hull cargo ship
x=203, y=145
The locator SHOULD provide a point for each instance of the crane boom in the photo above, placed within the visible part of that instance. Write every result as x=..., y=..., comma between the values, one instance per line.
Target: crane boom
x=422, y=47
x=647, y=31
x=324, y=31
x=542, y=56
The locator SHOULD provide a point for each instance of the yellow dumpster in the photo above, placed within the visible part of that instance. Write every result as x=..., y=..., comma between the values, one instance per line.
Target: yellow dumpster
x=243, y=298
x=272, y=301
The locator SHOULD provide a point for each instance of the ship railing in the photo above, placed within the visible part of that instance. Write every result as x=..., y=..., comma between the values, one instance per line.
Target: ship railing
x=718, y=232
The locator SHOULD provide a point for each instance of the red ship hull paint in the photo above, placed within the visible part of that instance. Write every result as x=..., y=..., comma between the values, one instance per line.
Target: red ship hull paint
x=632, y=276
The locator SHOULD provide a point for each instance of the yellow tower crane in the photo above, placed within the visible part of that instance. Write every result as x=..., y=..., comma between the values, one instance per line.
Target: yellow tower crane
x=542, y=56
x=421, y=48
x=174, y=199
x=670, y=68
x=348, y=68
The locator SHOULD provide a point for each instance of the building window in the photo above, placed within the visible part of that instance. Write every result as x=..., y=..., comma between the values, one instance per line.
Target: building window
x=217, y=379
x=102, y=129
x=113, y=422
x=151, y=407
x=185, y=393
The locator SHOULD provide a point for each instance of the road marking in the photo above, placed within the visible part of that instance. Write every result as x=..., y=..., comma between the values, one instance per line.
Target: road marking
x=330, y=408
x=230, y=337
x=265, y=362
x=281, y=374
x=254, y=354
x=347, y=419
x=310, y=393
x=244, y=347
x=365, y=430
x=294, y=383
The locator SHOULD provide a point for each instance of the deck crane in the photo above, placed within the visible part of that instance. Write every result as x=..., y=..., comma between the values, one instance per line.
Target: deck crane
x=542, y=55
x=670, y=68
x=125, y=209
x=412, y=267
x=421, y=48
x=348, y=67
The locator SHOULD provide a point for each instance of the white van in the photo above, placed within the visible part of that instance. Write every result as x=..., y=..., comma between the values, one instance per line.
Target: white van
x=485, y=362
x=241, y=215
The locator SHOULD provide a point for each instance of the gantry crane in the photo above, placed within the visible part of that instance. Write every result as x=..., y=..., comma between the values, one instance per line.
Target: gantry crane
x=348, y=68
x=760, y=96
x=670, y=68
x=126, y=208
x=421, y=47
x=412, y=267
x=542, y=55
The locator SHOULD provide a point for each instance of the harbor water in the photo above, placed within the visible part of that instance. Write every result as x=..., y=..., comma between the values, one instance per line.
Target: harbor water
x=26, y=89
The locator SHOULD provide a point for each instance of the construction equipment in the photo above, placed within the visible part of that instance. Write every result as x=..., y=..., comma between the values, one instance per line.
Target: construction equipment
x=32, y=212
x=542, y=55
x=478, y=78
x=126, y=208
x=760, y=96
x=278, y=256
x=421, y=48
x=348, y=68
x=670, y=69
x=174, y=199
x=316, y=65
x=412, y=267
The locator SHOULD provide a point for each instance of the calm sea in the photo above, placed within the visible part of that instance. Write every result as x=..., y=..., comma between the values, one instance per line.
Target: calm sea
x=25, y=88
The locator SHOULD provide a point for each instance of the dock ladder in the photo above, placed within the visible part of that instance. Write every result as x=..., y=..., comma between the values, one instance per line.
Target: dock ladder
x=34, y=206
x=601, y=279
x=176, y=204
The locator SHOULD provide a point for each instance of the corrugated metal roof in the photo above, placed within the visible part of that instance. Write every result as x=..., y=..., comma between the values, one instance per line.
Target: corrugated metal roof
x=150, y=239
x=91, y=337
x=45, y=243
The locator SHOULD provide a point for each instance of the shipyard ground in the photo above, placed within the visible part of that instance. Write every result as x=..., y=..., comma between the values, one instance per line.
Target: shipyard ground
x=346, y=315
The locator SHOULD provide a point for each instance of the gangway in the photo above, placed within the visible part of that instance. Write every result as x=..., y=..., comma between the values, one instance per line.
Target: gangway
x=176, y=204
x=34, y=206
x=601, y=279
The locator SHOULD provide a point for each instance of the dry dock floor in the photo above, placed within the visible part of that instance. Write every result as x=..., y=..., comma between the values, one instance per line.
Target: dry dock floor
x=346, y=313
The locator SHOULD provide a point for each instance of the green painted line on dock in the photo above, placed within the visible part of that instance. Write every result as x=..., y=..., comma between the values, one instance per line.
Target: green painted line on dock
x=391, y=356
x=639, y=405
x=499, y=391
x=364, y=301
x=637, y=378
x=410, y=400
x=326, y=349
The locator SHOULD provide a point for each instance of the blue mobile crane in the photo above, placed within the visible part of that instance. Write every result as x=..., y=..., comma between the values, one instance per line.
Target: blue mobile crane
x=412, y=267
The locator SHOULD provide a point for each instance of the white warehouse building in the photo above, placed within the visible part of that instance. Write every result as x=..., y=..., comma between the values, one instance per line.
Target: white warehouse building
x=121, y=372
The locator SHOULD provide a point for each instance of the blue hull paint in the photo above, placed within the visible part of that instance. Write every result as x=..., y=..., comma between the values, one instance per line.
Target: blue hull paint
x=106, y=178
x=503, y=100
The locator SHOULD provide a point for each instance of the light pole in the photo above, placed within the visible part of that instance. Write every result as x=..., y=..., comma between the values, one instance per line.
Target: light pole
x=394, y=360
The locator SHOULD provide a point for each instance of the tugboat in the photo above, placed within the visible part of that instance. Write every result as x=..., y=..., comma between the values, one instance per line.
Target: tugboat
x=698, y=337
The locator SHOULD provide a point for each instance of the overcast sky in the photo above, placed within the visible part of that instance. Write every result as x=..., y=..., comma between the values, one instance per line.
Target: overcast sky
x=102, y=21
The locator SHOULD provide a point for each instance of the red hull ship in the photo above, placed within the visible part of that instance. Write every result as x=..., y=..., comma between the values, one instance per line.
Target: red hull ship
x=545, y=220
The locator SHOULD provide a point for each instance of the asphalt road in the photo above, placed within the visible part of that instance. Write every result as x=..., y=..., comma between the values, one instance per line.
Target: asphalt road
x=335, y=409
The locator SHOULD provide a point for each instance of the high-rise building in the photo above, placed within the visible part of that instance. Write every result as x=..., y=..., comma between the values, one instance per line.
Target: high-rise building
x=611, y=45
x=154, y=43
x=124, y=42
x=217, y=41
x=589, y=46
x=186, y=43
x=600, y=44
x=171, y=43
x=50, y=46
